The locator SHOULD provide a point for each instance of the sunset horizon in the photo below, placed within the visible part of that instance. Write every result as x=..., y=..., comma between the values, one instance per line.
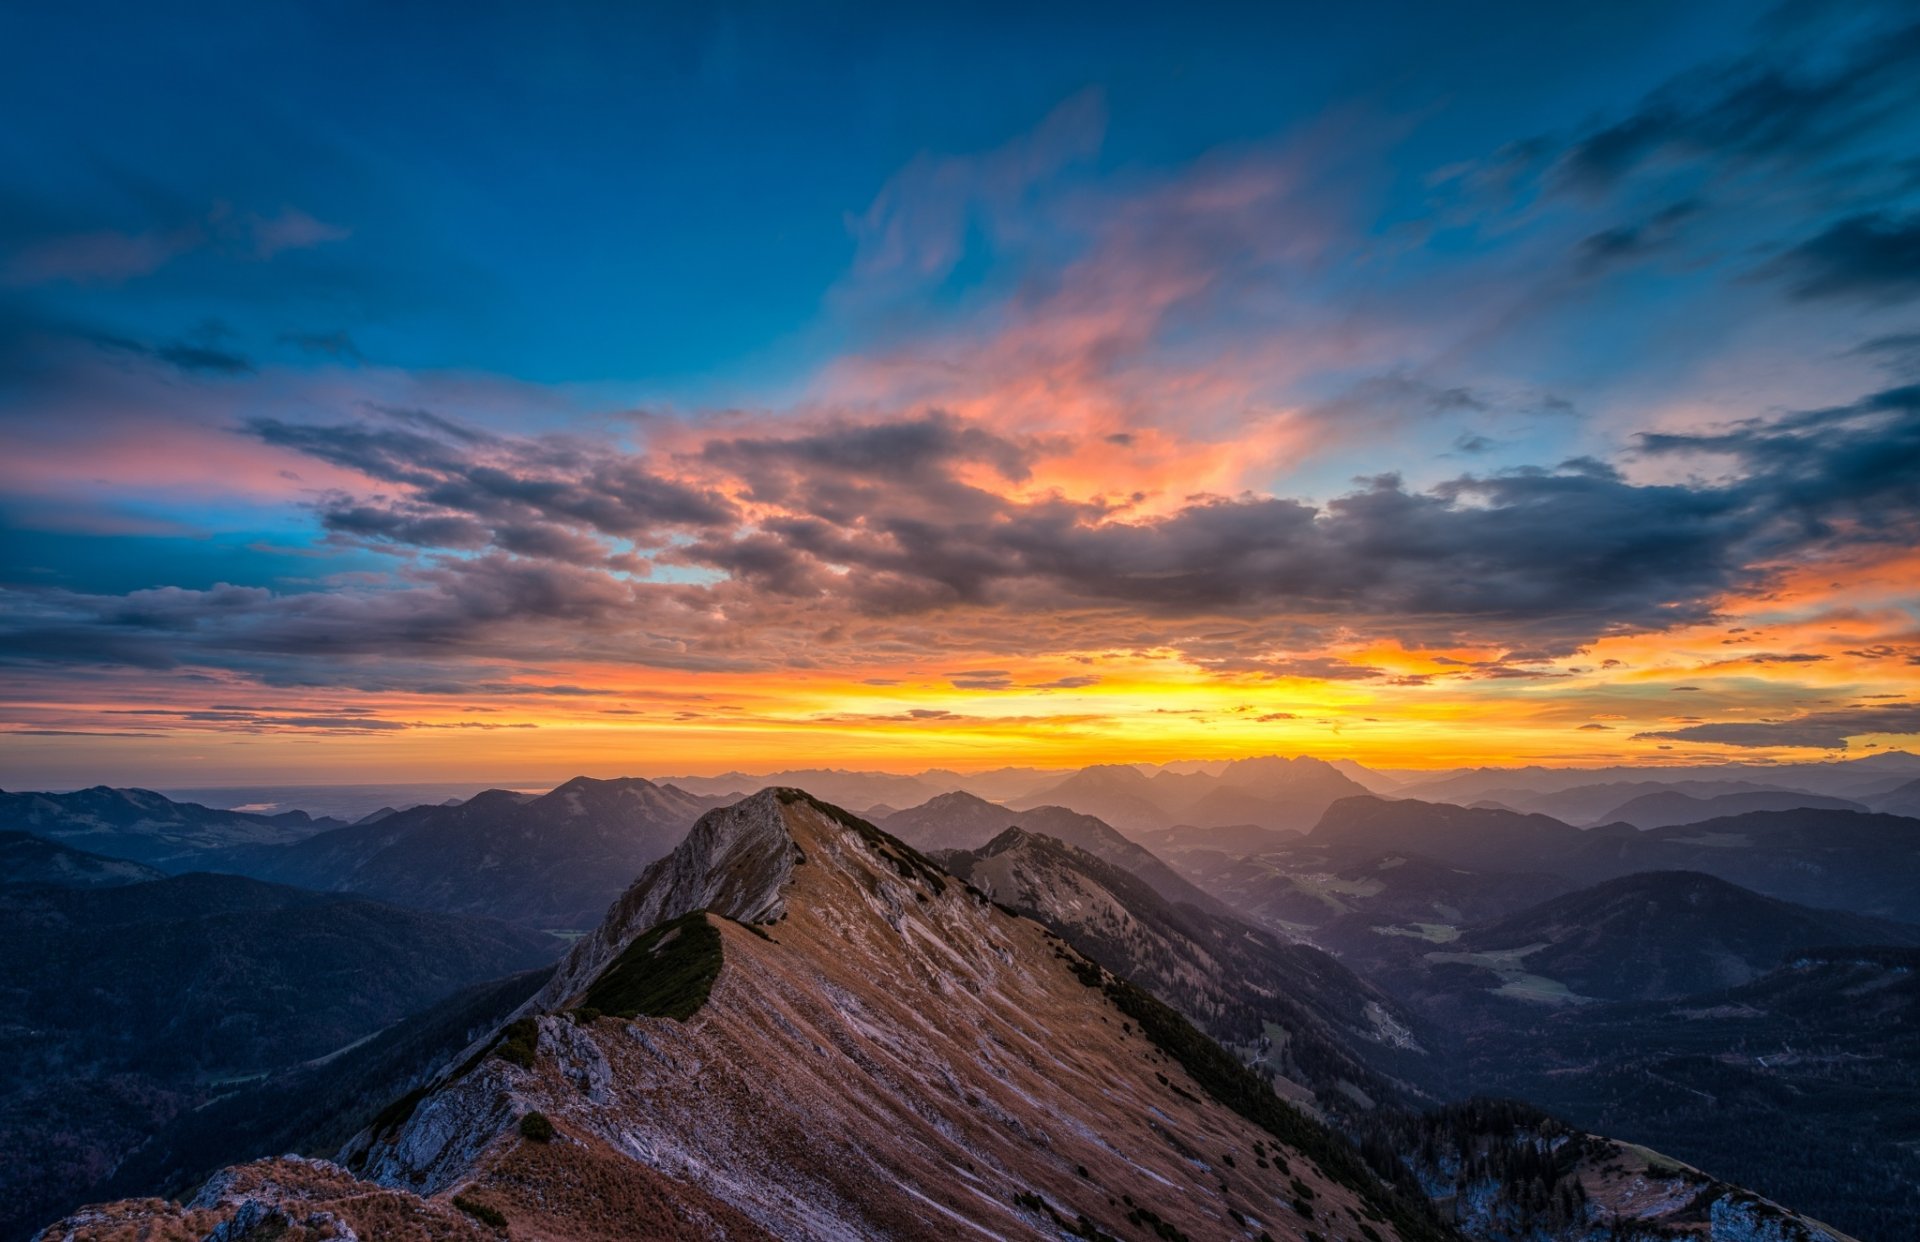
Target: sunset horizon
x=1136, y=415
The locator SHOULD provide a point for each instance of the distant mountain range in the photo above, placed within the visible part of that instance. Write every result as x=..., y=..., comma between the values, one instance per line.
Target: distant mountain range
x=550, y=861
x=141, y=825
x=1271, y=793
x=127, y=1004
x=1843, y=778
x=1003, y=1009
x=1800, y=1083
x=1851, y=860
x=1670, y=807
x=1654, y=935
x=960, y=821
x=27, y=860
x=862, y=1046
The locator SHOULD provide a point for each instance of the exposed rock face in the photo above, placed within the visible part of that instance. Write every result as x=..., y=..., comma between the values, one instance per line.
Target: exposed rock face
x=734, y=862
x=883, y=1054
x=288, y=1198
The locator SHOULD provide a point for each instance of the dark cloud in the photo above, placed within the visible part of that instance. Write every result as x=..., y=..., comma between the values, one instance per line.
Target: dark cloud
x=1780, y=106
x=192, y=356
x=1828, y=730
x=1626, y=242
x=464, y=488
x=1845, y=472
x=1871, y=258
x=1899, y=352
x=509, y=552
x=337, y=345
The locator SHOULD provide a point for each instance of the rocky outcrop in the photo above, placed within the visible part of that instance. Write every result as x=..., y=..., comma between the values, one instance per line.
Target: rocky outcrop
x=734, y=862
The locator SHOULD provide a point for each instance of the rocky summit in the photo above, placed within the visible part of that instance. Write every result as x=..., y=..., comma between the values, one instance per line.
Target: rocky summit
x=797, y=1026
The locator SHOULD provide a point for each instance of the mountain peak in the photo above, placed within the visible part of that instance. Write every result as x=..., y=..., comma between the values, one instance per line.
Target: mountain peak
x=1009, y=838
x=801, y=1016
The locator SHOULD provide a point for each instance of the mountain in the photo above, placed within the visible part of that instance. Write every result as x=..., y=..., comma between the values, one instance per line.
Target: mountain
x=843, y=787
x=1845, y=778
x=551, y=861
x=1269, y=792
x=146, y=827
x=1670, y=807
x=1507, y=1172
x=1234, y=841
x=796, y=1026
x=1481, y=839
x=1298, y=1012
x=1836, y=859
x=27, y=860
x=1663, y=934
x=1118, y=793
x=960, y=821
x=1900, y=800
x=1316, y=892
x=1295, y=793
x=127, y=1005
x=1840, y=860
x=1800, y=1084
x=314, y=1107
x=1365, y=777
x=1593, y=804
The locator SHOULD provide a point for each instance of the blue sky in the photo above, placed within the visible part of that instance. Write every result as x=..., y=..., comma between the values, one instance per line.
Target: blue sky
x=473, y=321
x=612, y=193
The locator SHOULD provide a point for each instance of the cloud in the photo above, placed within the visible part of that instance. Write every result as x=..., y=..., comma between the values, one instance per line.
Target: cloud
x=916, y=229
x=115, y=256
x=768, y=549
x=336, y=344
x=289, y=229
x=536, y=497
x=100, y=257
x=1827, y=730
x=1871, y=258
x=201, y=356
x=1627, y=242
x=1780, y=105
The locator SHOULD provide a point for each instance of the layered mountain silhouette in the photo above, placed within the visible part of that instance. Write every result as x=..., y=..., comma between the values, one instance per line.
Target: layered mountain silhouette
x=1799, y=1083
x=1838, y=859
x=960, y=821
x=28, y=860
x=1597, y=803
x=128, y=1004
x=555, y=860
x=1671, y=807
x=1648, y=936
x=1317, y=892
x=797, y=1026
x=1272, y=792
x=146, y=827
x=1900, y=800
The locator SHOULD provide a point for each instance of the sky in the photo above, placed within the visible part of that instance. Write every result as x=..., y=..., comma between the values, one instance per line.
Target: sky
x=509, y=392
